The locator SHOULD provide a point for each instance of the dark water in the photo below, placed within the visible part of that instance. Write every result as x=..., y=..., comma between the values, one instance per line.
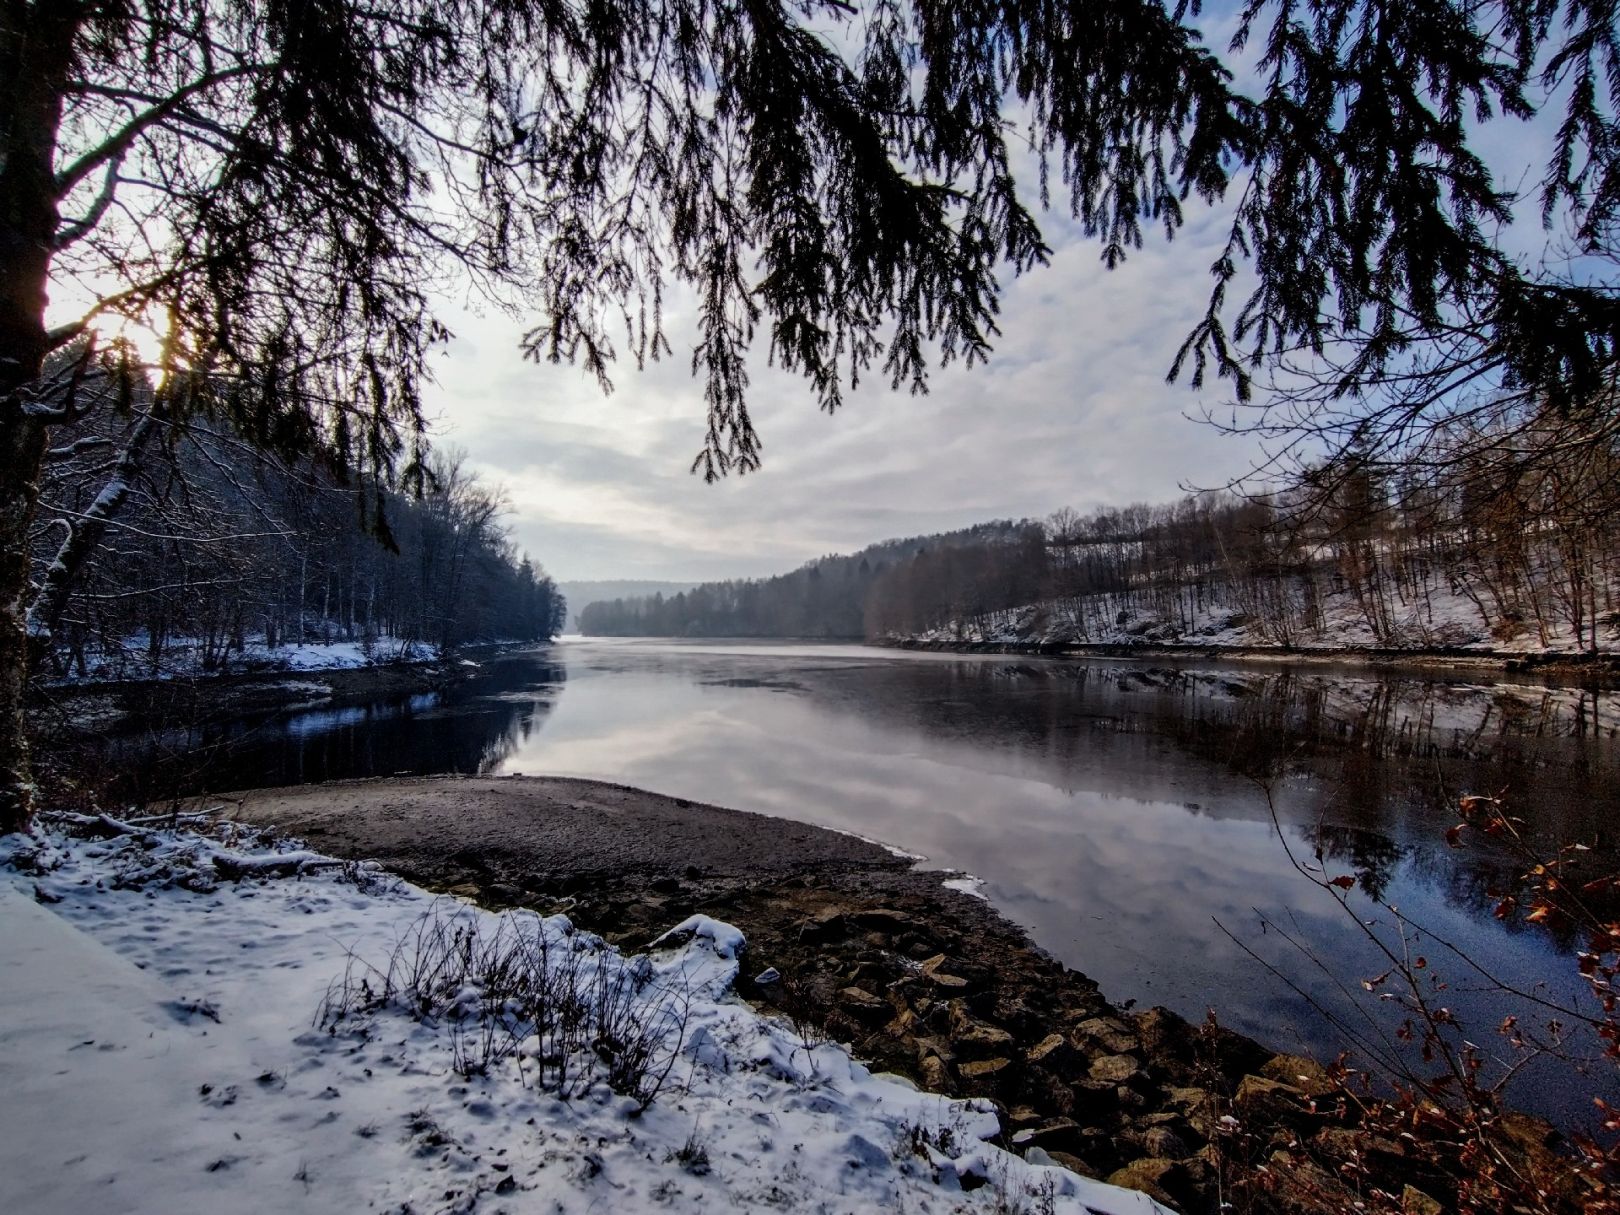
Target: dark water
x=1127, y=813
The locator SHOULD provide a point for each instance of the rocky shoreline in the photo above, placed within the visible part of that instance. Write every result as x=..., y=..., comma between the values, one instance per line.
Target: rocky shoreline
x=848, y=940
x=1601, y=670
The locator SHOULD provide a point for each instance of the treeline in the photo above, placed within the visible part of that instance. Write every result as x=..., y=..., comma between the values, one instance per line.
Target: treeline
x=166, y=543
x=825, y=598
x=1473, y=551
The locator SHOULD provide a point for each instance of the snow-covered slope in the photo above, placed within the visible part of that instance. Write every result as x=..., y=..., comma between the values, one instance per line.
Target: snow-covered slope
x=168, y=1043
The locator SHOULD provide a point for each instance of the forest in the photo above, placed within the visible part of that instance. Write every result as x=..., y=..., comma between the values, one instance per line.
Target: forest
x=1507, y=553
x=824, y=598
x=165, y=545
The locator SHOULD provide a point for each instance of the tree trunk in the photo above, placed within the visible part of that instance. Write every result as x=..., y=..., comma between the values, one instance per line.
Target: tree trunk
x=35, y=46
x=84, y=534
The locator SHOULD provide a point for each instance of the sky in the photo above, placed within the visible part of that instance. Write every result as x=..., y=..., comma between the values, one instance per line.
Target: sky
x=1071, y=410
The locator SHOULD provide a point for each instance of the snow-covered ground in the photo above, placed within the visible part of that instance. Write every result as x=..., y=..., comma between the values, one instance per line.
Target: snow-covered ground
x=185, y=658
x=1437, y=617
x=174, y=1041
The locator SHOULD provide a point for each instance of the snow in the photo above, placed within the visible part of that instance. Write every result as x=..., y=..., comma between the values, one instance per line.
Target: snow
x=170, y=1041
x=1436, y=615
x=182, y=657
x=967, y=884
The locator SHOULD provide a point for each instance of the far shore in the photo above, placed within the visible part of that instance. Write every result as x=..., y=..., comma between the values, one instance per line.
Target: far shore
x=1601, y=667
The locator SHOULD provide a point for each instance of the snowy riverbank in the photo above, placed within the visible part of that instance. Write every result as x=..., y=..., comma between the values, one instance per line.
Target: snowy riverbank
x=171, y=1040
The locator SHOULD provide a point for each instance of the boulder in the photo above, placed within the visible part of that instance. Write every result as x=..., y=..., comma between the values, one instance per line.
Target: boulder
x=1054, y=1052
x=1163, y=1143
x=1268, y=1102
x=883, y=919
x=863, y=1006
x=1059, y=1134
x=1107, y=1035
x=1305, y=1074
x=1148, y=1175
x=983, y=1071
x=935, y=1075
x=972, y=1036
x=1115, y=1069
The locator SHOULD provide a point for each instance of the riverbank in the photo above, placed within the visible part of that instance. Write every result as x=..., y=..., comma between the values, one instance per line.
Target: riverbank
x=1600, y=670
x=64, y=711
x=847, y=939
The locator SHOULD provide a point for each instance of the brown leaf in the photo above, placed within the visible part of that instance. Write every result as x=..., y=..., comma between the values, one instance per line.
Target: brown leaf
x=1344, y=881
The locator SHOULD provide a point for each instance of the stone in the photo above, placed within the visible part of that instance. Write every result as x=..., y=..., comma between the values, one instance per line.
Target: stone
x=1305, y=1074
x=864, y=1006
x=1021, y=1116
x=883, y=919
x=1053, y=1051
x=1074, y=1164
x=1128, y=1098
x=1268, y=1102
x=1108, y=1035
x=827, y=925
x=1164, y=1143
x=983, y=1070
x=932, y=970
x=1060, y=1134
x=1115, y=1069
x=1345, y=1144
x=1149, y=1175
x=1415, y=1202
x=935, y=1074
x=973, y=1036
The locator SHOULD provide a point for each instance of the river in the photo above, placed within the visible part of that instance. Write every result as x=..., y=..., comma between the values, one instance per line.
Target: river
x=1126, y=812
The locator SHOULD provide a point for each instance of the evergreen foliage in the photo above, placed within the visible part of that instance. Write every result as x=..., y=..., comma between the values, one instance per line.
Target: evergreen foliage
x=276, y=186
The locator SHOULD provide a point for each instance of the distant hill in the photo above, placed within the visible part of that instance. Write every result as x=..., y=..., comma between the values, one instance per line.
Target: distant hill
x=580, y=595
x=833, y=596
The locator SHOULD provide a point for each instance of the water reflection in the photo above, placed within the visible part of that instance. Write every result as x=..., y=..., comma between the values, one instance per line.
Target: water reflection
x=1131, y=815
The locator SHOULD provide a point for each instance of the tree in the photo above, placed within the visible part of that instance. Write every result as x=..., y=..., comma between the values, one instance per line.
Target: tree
x=272, y=185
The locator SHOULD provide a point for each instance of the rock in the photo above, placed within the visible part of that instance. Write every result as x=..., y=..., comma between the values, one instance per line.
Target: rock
x=1415, y=1202
x=1053, y=1051
x=972, y=1036
x=1115, y=1069
x=665, y=885
x=1021, y=1116
x=1107, y=1035
x=1074, y=1164
x=1165, y=1144
x=1345, y=1144
x=1267, y=1102
x=1307, y=1075
x=864, y=1006
x=983, y=1070
x=1093, y=1099
x=1148, y=1175
x=932, y=970
x=935, y=1074
x=1060, y=1134
x=1127, y=1098
x=883, y=919
x=828, y=925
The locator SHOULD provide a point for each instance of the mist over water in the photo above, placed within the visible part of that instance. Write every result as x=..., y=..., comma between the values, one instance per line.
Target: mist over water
x=1136, y=817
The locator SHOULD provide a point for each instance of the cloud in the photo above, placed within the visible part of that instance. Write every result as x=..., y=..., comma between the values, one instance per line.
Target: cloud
x=1071, y=410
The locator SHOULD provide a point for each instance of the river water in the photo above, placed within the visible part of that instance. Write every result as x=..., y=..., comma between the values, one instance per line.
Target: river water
x=1136, y=816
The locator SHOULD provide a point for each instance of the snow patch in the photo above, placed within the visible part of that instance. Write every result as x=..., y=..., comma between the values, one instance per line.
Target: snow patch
x=159, y=1052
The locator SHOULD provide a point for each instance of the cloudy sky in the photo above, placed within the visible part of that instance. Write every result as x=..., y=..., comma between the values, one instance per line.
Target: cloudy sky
x=1072, y=410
